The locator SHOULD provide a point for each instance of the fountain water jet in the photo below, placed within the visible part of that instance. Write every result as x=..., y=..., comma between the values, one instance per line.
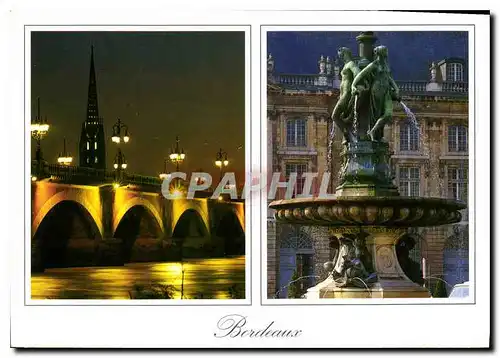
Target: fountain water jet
x=367, y=215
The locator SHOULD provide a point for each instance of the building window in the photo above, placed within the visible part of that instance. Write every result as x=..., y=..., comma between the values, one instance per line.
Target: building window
x=409, y=181
x=408, y=137
x=457, y=138
x=296, y=257
x=457, y=183
x=305, y=268
x=95, y=145
x=299, y=169
x=296, y=133
x=455, y=72
x=88, y=145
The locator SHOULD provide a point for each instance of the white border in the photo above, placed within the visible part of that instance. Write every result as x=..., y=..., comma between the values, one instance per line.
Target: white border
x=471, y=135
x=194, y=326
x=28, y=105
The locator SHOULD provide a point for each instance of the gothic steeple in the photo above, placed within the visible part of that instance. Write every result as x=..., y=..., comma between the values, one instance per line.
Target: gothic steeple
x=92, y=107
x=92, y=138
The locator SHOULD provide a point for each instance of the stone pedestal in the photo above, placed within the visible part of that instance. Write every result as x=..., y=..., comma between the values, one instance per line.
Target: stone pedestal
x=365, y=170
x=391, y=281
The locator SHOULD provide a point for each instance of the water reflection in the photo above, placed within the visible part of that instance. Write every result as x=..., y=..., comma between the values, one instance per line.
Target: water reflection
x=203, y=278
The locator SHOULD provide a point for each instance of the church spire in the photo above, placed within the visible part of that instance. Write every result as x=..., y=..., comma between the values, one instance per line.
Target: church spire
x=92, y=138
x=92, y=107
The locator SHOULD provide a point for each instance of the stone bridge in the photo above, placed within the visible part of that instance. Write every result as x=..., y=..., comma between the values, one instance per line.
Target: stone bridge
x=101, y=224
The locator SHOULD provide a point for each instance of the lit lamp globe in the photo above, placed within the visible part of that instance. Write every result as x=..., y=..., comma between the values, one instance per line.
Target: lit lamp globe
x=126, y=137
x=65, y=160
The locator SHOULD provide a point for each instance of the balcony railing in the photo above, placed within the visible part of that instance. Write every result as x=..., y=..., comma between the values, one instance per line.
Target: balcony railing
x=460, y=87
x=412, y=86
x=299, y=81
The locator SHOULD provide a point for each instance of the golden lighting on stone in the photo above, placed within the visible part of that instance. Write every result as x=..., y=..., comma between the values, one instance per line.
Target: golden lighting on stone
x=65, y=160
x=177, y=193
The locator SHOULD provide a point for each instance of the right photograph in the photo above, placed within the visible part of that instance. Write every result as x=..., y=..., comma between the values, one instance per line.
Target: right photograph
x=368, y=162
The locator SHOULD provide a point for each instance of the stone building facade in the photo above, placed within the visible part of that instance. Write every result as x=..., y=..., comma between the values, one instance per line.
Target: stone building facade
x=430, y=160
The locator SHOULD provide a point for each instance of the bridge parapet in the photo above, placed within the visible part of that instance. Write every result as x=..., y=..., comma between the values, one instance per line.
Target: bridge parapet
x=68, y=173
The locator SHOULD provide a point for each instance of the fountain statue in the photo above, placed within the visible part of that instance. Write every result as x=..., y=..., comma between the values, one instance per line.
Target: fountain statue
x=367, y=214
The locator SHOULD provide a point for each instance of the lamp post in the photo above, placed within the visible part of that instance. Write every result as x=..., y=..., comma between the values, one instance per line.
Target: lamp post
x=177, y=155
x=120, y=134
x=65, y=158
x=39, y=129
x=117, y=137
x=120, y=162
x=221, y=160
x=164, y=174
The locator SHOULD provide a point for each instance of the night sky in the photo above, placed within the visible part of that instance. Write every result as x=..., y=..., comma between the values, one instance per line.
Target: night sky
x=410, y=52
x=190, y=84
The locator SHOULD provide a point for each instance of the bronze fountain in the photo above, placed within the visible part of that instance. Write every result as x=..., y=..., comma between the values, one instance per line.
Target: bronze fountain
x=367, y=214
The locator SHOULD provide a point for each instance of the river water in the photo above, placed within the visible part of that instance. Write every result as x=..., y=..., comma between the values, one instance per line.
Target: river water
x=216, y=278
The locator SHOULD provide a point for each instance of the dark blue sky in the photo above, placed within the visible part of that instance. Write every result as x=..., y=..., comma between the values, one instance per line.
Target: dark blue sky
x=410, y=52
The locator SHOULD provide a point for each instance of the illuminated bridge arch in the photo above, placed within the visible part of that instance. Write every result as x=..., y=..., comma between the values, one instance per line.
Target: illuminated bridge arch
x=190, y=222
x=137, y=201
x=66, y=236
x=70, y=196
x=182, y=206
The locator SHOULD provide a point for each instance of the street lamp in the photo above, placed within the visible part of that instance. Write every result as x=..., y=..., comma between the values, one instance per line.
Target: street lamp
x=65, y=158
x=120, y=134
x=39, y=129
x=120, y=162
x=221, y=160
x=177, y=155
x=164, y=175
x=117, y=137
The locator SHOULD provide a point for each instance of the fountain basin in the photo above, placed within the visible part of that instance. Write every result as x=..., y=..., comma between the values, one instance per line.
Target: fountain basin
x=368, y=229
x=355, y=211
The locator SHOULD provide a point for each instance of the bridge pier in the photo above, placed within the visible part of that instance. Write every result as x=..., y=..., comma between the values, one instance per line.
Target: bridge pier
x=36, y=258
x=110, y=252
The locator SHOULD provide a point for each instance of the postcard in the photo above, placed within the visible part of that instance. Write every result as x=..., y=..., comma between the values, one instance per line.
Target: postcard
x=249, y=178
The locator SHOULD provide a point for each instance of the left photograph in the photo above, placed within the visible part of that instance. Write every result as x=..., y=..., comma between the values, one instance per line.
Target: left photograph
x=138, y=162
